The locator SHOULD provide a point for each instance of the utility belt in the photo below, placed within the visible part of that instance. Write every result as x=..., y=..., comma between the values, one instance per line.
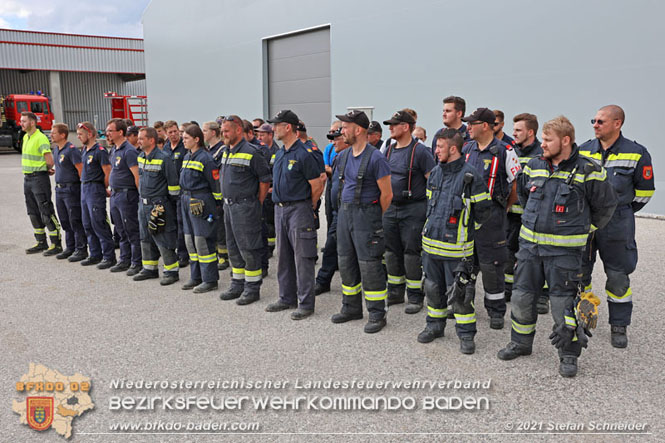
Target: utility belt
x=35, y=174
x=284, y=204
x=235, y=201
x=350, y=205
x=160, y=199
x=67, y=185
x=407, y=202
x=501, y=201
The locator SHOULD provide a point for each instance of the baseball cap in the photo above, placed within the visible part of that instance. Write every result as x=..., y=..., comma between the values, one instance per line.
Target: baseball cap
x=286, y=116
x=374, y=127
x=301, y=126
x=400, y=117
x=133, y=130
x=265, y=128
x=333, y=135
x=355, y=116
x=480, y=115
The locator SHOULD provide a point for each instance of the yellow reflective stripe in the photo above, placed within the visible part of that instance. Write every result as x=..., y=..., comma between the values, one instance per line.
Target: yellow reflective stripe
x=428, y=193
x=516, y=209
x=444, y=249
x=465, y=319
x=376, y=295
x=217, y=195
x=480, y=197
x=145, y=161
x=509, y=278
x=241, y=155
x=208, y=258
x=253, y=273
x=193, y=256
x=271, y=240
x=222, y=250
x=625, y=298
x=524, y=329
x=351, y=290
x=190, y=164
x=173, y=266
x=587, y=288
x=574, y=240
x=150, y=262
x=396, y=279
x=36, y=158
x=602, y=175
x=40, y=231
x=570, y=321
x=413, y=284
x=595, y=156
x=436, y=313
x=643, y=192
x=536, y=172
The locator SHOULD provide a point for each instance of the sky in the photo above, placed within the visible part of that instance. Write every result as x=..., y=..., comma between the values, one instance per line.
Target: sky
x=118, y=18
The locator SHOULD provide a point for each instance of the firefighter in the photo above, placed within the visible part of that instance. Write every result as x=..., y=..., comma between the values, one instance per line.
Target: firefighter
x=365, y=194
x=410, y=164
x=630, y=171
x=564, y=196
x=267, y=137
x=527, y=146
x=453, y=110
x=457, y=201
x=498, y=164
x=199, y=196
x=37, y=164
x=94, y=181
x=124, y=202
x=245, y=179
x=68, y=168
x=158, y=192
x=297, y=187
x=175, y=148
x=212, y=133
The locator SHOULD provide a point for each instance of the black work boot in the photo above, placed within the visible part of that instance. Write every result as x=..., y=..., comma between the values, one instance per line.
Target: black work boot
x=222, y=262
x=413, y=307
x=231, y=293
x=90, y=261
x=121, y=266
x=430, y=332
x=206, y=286
x=301, y=313
x=395, y=295
x=513, y=350
x=372, y=327
x=568, y=366
x=145, y=275
x=78, y=256
x=191, y=284
x=467, y=345
x=278, y=306
x=343, y=317
x=54, y=249
x=321, y=289
x=65, y=254
x=619, y=337
x=496, y=322
x=167, y=279
x=247, y=298
x=38, y=247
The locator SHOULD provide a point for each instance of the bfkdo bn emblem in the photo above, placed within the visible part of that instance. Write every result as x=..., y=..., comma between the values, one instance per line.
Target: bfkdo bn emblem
x=39, y=412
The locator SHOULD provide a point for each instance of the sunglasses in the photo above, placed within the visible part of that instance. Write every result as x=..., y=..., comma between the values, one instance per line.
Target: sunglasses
x=599, y=121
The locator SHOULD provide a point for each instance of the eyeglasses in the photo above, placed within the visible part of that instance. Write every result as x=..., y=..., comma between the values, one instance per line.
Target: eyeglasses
x=599, y=121
x=497, y=123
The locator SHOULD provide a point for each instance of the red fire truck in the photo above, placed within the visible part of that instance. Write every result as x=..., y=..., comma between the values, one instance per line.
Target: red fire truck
x=11, y=107
x=133, y=107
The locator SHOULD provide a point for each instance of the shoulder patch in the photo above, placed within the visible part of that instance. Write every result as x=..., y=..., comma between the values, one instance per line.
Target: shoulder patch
x=215, y=174
x=647, y=172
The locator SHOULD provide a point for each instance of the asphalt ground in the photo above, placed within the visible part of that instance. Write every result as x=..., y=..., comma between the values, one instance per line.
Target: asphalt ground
x=105, y=326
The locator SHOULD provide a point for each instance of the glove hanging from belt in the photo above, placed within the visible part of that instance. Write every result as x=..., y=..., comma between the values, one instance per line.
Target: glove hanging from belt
x=463, y=289
x=157, y=222
x=587, y=310
x=196, y=207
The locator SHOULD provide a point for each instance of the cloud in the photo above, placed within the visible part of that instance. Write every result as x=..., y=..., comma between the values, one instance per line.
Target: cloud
x=120, y=18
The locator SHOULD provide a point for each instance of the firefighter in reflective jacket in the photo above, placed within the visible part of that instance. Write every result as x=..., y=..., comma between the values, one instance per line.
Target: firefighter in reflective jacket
x=630, y=171
x=158, y=224
x=199, y=197
x=564, y=196
x=457, y=199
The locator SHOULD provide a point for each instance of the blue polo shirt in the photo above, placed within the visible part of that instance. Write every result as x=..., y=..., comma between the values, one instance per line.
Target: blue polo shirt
x=377, y=168
x=93, y=160
x=293, y=170
x=65, y=161
x=329, y=154
x=400, y=160
x=122, y=158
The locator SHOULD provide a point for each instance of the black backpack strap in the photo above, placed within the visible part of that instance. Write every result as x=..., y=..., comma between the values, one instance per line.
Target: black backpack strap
x=362, y=169
x=411, y=154
x=343, y=157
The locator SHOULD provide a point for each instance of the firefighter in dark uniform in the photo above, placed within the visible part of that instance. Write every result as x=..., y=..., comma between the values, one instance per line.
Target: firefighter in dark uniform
x=498, y=164
x=245, y=178
x=266, y=136
x=124, y=203
x=211, y=132
x=499, y=122
x=296, y=189
x=630, y=171
x=365, y=194
x=94, y=181
x=68, y=168
x=175, y=148
x=527, y=146
x=159, y=190
x=37, y=164
x=199, y=196
x=410, y=164
x=457, y=201
x=453, y=110
x=564, y=196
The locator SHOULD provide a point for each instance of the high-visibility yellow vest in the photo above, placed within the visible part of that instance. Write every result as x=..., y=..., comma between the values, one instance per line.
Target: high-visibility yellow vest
x=33, y=150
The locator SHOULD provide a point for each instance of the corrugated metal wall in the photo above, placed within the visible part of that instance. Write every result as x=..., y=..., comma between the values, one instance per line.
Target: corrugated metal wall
x=82, y=92
x=9, y=35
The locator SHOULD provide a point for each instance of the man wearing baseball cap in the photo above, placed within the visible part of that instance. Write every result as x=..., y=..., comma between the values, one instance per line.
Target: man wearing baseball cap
x=498, y=164
x=266, y=136
x=365, y=194
x=374, y=134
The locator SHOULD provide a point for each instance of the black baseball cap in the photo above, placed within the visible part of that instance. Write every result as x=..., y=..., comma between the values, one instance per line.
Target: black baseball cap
x=133, y=130
x=355, y=116
x=301, y=126
x=286, y=116
x=374, y=127
x=400, y=117
x=481, y=115
x=334, y=134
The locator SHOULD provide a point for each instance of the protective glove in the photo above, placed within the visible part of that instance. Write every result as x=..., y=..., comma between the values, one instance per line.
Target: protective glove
x=196, y=207
x=587, y=310
x=157, y=221
x=582, y=336
x=563, y=334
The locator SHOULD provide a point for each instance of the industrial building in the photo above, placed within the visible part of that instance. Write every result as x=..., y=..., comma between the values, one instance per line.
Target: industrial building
x=74, y=71
x=205, y=59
